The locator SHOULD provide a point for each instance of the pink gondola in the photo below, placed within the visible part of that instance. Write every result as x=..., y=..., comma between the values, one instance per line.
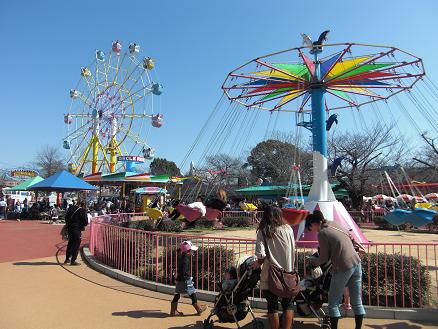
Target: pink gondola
x=191, y=214
x=213, y=214
x=294, y=216
x=431, y=196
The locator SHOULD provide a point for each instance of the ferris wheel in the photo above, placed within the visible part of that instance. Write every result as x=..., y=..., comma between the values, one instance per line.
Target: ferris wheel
x=112, y=110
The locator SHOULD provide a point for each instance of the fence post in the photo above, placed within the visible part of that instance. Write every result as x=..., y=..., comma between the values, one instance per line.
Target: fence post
x=156, y=257
x=91, y=246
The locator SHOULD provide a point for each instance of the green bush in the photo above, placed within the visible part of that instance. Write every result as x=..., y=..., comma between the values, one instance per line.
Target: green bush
x=236, y=221
x=145, y=225
x=382, y=223
x=374, y=285
x=168, y=225
x=208, y=265
x=125, y=224
x=204, y=223
x=358, y=219
x=434, y=225
x=401, y=280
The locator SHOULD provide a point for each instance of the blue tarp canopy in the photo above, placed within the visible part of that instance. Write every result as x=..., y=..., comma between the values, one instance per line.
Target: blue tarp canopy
x=62, y=181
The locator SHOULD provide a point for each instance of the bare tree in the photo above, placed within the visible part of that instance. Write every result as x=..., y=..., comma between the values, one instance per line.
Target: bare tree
x=49, y=161
x=363, y=154
x=226, y=170
x=429, y=154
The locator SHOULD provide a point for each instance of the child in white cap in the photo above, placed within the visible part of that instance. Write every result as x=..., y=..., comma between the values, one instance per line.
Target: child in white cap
x=184, y=282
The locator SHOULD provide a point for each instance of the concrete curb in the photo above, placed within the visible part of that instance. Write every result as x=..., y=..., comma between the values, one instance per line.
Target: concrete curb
x=373, y=312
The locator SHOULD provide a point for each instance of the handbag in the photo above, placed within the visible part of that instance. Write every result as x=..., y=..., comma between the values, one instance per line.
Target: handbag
x=64, y=233
x=280, y=282
x=64, y=230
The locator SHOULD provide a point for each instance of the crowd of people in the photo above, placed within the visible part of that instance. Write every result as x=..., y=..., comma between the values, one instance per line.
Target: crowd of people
x=22, y=209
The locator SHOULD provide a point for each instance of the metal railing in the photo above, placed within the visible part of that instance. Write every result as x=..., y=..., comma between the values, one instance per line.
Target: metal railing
x=401, y=275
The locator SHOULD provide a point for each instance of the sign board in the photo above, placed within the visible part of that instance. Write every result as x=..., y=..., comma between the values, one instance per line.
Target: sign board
x=22, y=173
x=130, y=158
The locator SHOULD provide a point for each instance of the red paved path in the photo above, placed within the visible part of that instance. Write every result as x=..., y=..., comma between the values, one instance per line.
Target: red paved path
x=30, y=239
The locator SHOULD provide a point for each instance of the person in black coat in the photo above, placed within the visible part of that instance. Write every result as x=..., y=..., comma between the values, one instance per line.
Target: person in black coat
x=76, y=219
x=219, y=202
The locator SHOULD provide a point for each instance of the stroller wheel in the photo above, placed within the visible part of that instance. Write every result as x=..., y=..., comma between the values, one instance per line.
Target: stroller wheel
x=326, y=323
x=257, y=324
x=208, y=324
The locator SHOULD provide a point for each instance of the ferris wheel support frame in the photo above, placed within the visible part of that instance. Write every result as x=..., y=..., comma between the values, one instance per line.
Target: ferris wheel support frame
x=94, y=163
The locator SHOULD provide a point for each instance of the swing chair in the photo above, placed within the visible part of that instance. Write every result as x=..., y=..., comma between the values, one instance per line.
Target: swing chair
x=291, y=214
x=192, y=214
x=418, y=216
x=154, y=213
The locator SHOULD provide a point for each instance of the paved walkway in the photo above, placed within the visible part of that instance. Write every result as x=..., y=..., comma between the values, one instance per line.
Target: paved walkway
x=38, y=292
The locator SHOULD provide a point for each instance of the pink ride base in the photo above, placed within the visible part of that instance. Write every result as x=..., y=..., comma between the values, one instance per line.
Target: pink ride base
x=333, y=211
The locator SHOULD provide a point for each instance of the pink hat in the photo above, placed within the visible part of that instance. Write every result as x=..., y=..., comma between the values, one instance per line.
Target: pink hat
x=187, y=246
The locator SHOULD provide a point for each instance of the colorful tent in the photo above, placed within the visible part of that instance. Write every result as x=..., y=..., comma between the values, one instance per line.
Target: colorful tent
x=24, y=186
x=61, y=182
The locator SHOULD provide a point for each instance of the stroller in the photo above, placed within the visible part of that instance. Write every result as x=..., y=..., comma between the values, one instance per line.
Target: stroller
x=233, y=306
x=313, y=294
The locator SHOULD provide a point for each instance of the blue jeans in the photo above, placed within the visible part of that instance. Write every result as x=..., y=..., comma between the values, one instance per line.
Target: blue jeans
x=352, y=279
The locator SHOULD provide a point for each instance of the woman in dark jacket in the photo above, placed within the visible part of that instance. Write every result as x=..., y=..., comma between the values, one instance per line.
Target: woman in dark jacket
x=219, y=202
x=335, y=244
x=76, y=219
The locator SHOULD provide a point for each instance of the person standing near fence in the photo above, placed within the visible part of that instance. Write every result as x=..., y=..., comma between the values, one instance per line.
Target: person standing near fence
x=3, y=207
x=275, y=234
x=336, y=245
x=219, y=202
x=76, y=219
x=184, y=281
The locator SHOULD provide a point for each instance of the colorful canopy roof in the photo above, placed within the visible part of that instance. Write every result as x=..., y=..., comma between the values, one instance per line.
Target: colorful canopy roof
x=350, y=80
x=130, y=177
x=23, y=186
x=61, y=182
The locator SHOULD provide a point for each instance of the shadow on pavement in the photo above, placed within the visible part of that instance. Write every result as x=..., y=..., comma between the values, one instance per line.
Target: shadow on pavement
x=35, y=263
x=200, y=324
x=143, y=314
x=396, y=325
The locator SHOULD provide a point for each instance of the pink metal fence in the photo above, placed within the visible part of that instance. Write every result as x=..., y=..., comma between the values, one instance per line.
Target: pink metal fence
x=394, y=274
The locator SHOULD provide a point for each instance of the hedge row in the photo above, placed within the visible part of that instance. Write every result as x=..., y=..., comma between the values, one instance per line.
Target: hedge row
x=394, y=275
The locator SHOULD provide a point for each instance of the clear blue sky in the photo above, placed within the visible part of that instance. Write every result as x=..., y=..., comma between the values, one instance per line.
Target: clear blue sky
x=195, y=43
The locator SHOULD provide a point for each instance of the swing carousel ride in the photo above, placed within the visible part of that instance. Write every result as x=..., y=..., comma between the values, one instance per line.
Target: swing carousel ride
x=111, y=111
x=317, y=84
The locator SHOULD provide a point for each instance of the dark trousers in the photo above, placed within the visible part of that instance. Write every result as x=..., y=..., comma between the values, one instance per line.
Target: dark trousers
x=74, y=243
